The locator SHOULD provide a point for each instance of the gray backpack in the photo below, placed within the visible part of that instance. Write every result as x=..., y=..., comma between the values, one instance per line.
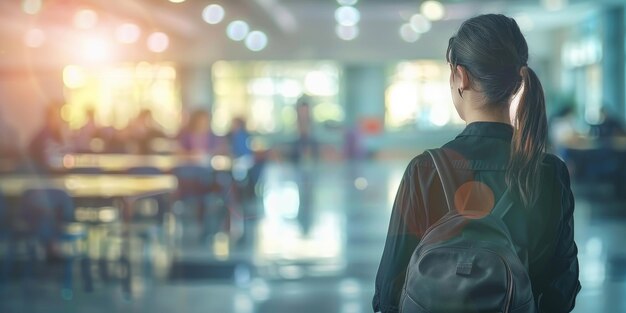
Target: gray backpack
x=465, y=264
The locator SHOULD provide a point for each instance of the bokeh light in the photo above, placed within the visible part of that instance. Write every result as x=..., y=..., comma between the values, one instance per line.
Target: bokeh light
x=347, y=2
x=237, y=30
x=347, y=16
x=213, y=14
x=74, y=76
x=34, y=38
x=127, y=33
x=433, y=10
x=85, y=19
x=347, y=32
x=256, y=40
x=31, y=7
x=420, y=23
x=95, y=49
x=158, y=42
x=408, y=34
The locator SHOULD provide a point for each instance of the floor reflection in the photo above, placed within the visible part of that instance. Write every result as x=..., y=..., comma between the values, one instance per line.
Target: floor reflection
x=314, y=241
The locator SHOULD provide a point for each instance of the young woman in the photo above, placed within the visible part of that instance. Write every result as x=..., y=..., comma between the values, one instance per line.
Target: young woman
x=488, y=67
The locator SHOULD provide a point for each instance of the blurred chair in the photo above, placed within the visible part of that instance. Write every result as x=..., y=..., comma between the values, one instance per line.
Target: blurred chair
x=202, y=188
x=48, y=215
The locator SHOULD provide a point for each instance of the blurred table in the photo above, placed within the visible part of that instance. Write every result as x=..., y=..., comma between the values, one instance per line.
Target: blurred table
x=91, y=186
x=83, y=187
x=120, y=163
x=588, y=143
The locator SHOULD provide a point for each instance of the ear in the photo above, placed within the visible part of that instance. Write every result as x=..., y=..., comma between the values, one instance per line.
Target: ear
x=463, y=75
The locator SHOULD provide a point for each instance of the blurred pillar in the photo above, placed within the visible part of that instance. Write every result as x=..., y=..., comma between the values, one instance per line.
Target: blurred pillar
x=613, y=90
x=364, y=96
x=196, y=87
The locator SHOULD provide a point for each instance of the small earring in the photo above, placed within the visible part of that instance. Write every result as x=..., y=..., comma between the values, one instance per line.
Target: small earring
x=460, y=92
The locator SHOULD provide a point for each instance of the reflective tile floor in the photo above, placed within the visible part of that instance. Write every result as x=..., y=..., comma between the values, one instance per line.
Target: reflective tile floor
x=311, y=244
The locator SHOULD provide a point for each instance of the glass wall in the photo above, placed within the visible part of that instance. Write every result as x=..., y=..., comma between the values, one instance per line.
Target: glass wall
x=117, y=94
x=266, y=94
x=418, y=96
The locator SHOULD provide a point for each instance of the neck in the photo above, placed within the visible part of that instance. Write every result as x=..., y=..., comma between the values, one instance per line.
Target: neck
x=499, y=116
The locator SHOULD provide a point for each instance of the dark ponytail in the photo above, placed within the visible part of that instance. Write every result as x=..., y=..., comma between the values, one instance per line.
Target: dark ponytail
x=493, y=50
x=529, y=139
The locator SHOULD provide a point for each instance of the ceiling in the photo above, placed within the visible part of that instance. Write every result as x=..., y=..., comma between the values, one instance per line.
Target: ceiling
x=297, y=29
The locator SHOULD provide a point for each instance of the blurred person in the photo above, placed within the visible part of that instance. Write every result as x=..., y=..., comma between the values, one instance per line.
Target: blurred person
x=9, y=147
x=305, y=145
x=493, y=158
x=248, y=165
x=52, y=140
x=9, y=140
x=197, y=137
x=239, y=138
x=142, y=131
x=89, y=131
x=607, y=127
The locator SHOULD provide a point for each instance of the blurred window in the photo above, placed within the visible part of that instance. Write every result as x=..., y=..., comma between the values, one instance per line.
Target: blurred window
x=418, y=96
x=118, y=93
x=266, y=93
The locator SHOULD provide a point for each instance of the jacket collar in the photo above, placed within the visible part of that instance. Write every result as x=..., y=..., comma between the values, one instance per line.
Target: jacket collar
x=488, y=129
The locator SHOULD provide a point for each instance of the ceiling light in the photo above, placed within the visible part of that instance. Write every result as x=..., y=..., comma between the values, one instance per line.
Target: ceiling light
x=554, y=5
x=95, y=49
x=31, y=7
x=158, y=42
x=85, y=19
x=256, y=40
x=237, y=30
x=420, y=24
x=347, y=32
x=433, y=10
x=408, y=34
x=213, y=14
x=127, y=33
x=34, y=38
x=347, y=16
x=73, y=76
x=177, y=1
x=347, y=2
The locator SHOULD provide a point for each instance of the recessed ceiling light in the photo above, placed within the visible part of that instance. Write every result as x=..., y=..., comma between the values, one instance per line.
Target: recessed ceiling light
x=420, y=23
x=127, y=33
x=347, y=16
x=158, y=42
x=237, y=30
x=433, y=10
x=408, y=34
x=256, y=40
x=213, y=14
x=347, y=2
x=85, y=19
x=347, y=32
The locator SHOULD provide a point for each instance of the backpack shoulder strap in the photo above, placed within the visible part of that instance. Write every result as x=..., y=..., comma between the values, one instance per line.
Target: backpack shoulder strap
x=448, y=181
x=504, y=205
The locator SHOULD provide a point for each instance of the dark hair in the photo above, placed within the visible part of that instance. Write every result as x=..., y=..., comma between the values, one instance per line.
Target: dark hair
x=494, y=52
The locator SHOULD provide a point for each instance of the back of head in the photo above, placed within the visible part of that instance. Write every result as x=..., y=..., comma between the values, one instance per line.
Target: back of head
x=494, y=52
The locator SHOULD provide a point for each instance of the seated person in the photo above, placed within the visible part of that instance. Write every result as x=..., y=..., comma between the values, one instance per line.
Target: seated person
x=51, y=141
x=142, y=131
x=196, y=137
